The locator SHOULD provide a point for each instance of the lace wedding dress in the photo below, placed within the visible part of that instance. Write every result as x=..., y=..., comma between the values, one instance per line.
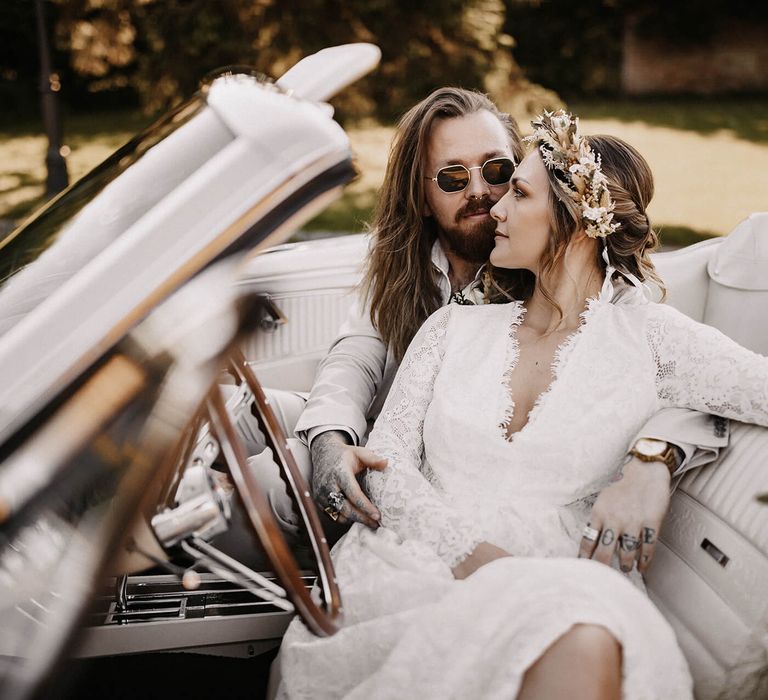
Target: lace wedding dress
x=454, y=479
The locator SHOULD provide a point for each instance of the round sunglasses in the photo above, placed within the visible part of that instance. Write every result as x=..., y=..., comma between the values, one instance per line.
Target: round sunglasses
x=455, y=178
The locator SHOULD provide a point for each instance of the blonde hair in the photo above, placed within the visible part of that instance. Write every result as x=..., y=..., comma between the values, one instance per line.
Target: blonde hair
x=399, y=280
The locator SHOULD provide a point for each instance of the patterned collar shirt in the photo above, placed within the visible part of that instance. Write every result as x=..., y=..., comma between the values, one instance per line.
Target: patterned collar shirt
x=470, y=295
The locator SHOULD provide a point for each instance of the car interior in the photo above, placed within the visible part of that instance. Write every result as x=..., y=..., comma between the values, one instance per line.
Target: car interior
x=166, y=583
x=119, y=314
x=714, y=545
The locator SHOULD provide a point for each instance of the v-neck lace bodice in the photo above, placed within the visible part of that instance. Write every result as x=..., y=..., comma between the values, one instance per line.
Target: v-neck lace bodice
x=557, y=365
x=450, y=474
x=452, y=481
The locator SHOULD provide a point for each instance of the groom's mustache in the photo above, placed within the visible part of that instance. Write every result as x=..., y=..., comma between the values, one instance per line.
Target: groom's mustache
x=475, y=206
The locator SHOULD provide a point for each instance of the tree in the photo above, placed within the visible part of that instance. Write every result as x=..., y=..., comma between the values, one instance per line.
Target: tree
x=163, y=47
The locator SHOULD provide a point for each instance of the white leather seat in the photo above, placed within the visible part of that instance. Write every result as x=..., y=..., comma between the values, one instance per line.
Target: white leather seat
x=710, y=573
x=718, y=608
x=723, y=282
x=737, y=302
x=685, y=275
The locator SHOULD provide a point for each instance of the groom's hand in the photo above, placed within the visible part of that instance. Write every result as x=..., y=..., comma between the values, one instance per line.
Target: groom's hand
x=335, y=466
x=628, y=516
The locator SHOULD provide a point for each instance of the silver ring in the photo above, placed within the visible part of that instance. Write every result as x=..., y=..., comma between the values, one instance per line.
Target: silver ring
x=590, y=533
x=629, y=543
x=335, y=503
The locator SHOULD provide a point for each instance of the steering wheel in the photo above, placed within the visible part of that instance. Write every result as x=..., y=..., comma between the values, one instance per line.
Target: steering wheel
x=321, y=618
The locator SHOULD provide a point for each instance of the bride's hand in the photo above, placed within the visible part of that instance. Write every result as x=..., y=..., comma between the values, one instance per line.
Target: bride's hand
x=628, y=515
x=483, y=554
x=335, y=466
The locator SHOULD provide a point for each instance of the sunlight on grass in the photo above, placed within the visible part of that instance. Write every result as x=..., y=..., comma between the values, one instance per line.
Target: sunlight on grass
x=350, y=213
x=687, y=142
x=746, y=118
x=91, y=139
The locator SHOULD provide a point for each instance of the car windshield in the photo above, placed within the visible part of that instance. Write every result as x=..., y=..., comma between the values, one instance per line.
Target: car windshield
x=39, y=257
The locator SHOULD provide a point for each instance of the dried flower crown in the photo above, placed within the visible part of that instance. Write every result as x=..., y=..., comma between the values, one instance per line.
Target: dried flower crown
x=577, y=169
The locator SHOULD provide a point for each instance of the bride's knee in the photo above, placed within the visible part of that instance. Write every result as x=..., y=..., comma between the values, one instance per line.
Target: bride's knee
x=584, y=663
x=593, y=645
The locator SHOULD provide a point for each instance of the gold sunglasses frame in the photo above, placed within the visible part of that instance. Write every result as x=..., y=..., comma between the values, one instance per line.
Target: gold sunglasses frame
x=469, y=173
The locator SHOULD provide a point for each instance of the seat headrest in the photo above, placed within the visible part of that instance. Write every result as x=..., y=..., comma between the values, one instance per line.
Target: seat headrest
x=741, y=261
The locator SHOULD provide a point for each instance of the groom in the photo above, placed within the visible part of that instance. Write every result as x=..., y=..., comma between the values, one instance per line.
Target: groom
x=448, y=165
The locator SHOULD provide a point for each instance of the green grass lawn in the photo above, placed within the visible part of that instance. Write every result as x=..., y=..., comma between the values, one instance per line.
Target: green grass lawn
x=82, y=127
x=350, y=213
x=89, y=137
x=684, y=140
x=747, y=118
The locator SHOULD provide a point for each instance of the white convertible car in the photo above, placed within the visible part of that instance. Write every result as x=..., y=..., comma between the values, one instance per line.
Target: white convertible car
x=123, y=301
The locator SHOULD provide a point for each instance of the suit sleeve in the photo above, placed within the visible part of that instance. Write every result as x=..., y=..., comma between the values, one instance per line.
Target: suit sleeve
x=347, y=380
x=700, y=436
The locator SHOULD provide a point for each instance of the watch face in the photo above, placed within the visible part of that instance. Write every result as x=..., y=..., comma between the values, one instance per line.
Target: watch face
x=650, y=447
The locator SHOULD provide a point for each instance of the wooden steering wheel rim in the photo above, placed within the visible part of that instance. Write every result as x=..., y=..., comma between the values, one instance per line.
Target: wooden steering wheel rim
x=322, y=619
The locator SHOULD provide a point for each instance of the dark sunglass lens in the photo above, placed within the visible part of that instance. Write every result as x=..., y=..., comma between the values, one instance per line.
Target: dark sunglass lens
x=498, y=171
x=453, y=178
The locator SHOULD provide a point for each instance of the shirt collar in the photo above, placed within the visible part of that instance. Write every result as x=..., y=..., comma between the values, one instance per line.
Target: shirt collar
x=438, y=257
x=471, y=292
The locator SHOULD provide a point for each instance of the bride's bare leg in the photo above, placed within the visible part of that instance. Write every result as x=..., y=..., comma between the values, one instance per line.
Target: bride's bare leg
x=583, y=664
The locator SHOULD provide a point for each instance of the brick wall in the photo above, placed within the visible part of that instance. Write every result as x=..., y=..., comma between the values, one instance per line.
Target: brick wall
x=735, y=60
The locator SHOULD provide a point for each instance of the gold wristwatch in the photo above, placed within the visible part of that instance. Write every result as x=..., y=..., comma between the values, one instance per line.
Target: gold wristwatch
x=651, y=450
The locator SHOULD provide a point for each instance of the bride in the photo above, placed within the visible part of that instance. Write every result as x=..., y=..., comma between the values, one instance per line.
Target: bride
x=503, y=422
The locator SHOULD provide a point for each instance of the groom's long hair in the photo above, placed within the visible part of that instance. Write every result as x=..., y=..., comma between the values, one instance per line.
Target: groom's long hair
x=399, y=282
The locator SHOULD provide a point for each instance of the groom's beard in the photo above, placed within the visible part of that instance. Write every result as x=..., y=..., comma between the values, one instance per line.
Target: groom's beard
x=472, y=242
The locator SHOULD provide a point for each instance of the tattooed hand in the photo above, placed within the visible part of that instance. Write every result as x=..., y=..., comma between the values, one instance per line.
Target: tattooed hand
x=335, y=467
x=628, y=514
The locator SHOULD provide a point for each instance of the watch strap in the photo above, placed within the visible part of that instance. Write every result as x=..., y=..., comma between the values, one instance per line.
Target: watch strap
x=670, y=457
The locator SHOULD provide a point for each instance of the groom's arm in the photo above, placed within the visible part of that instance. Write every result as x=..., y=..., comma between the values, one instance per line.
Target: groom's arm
x=346, y=382
x=699, y=436
x=335, y=419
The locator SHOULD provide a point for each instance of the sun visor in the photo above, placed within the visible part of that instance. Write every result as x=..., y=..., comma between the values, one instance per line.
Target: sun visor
x=741, y=262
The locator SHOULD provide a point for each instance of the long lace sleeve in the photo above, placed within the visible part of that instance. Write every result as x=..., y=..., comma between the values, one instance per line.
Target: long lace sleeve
x=699, y=367
x=409, y=504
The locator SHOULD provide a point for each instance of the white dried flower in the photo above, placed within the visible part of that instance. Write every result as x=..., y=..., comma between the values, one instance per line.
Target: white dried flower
x=563, y=148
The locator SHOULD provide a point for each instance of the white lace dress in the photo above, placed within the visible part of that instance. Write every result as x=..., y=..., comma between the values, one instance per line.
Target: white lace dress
x=410, y=629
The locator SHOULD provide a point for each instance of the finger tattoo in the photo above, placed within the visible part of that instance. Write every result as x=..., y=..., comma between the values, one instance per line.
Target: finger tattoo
x=629, y=543
x=649, y=535
x=608, y=536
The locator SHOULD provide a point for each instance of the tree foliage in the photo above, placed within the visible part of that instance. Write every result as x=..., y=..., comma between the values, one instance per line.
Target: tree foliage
x=18, y=57
x=571, y=47
x=161, y=48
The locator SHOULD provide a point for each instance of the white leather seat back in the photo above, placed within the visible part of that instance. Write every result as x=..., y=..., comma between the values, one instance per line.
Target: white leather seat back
x=684, y=273
x=712, y=560
x=737, y=299
x=313, y=285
